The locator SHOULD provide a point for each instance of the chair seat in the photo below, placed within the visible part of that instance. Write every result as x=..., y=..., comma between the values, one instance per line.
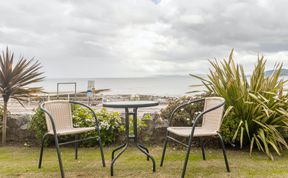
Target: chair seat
x=186, y=131
x=69, y=131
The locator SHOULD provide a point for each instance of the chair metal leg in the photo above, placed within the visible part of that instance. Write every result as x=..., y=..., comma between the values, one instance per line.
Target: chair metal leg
x=224, y=152
x=99, y=141
x=76, y=147
x=202, y=148
x=146, y=149
x=59, y=155
x=147, y=154
x=101, y=151
x=187, y=157
x=41, y=151
x=164, y=151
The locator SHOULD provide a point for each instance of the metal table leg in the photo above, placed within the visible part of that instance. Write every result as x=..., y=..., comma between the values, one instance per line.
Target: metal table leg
x=118, y=148
x=141, y=147
x=146, y=149
x=148, y=155
x=117, y=156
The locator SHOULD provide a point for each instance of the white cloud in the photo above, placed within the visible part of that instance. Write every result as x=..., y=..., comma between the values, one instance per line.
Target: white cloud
x=192, y=19
x=139, y=38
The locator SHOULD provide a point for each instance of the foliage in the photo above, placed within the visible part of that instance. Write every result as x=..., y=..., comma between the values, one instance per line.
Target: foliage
x=110, y=124
x=147, y=117
x=228, y=127
x=184, y=116
x=38, y=125
x=258, y=106
x=140, y=123
x=14, y=81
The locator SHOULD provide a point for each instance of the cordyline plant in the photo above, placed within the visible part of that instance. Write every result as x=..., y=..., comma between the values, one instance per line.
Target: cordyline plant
x=15, y=80
x=258, y=103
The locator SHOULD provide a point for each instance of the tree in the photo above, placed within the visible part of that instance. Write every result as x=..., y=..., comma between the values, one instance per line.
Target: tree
x=15, y=80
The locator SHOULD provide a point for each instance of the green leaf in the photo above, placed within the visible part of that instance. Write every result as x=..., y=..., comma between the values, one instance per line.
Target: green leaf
x=257, y=107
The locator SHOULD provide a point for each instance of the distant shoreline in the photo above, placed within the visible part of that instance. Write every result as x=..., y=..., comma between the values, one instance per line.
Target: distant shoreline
x=160, y=86
x=96, y=102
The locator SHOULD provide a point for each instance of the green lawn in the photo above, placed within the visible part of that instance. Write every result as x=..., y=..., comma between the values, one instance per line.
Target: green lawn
x=22, y=162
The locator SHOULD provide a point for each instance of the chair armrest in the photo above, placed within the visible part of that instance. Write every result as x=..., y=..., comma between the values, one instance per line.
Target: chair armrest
x=202, y=113
x=181, y=106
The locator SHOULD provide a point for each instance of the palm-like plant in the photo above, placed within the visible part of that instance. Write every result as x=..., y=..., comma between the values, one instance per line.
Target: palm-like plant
x=15, y=80
x=258, y=105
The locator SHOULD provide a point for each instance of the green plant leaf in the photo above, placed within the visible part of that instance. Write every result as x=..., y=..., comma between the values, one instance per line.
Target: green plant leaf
x=256, y=109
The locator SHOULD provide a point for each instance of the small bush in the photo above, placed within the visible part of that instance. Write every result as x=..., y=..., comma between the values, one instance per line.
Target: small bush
x=184, y=116
x=228, y=127
x=109, y=122
x=38, y=125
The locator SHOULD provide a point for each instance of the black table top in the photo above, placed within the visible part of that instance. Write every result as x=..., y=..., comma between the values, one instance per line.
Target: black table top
x=130, y=104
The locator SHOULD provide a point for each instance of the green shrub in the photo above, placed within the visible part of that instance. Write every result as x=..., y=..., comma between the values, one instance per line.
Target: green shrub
x=38, y=125
x=109, y=123
x=257, y=104
x=228, y=127
x=184, y=116
x=140, y=123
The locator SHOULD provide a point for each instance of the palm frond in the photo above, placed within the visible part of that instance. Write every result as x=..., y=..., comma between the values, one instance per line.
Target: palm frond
x=15, y=79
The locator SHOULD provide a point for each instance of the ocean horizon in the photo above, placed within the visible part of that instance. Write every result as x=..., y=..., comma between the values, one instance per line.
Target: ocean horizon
x=158, y=85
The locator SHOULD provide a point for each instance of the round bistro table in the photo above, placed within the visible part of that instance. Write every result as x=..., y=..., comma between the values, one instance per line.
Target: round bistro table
x=134, y=105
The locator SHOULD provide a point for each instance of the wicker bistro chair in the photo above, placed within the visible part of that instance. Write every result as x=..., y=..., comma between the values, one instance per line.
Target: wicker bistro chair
x=212, y=118
x=58, y=115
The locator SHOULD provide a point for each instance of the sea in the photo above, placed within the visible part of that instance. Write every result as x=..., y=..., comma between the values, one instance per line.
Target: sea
x=156, y=86
x=174, y=86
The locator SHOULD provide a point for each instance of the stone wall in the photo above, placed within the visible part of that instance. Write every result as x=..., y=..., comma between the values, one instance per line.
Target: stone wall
x=17, y=128
x=18, y=132
x=155, y=130
x=153, y=133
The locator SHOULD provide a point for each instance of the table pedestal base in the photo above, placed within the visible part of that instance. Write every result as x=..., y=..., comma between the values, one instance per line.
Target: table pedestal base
x=124, y=146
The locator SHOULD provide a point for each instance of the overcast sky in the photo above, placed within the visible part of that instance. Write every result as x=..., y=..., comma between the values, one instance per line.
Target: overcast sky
x=134, y=38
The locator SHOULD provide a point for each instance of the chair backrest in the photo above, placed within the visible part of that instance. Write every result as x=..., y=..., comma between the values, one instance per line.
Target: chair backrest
x=213, y=119
x=61, y=113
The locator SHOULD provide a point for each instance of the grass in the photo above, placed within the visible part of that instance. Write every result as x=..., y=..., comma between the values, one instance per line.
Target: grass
x=18, y=161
